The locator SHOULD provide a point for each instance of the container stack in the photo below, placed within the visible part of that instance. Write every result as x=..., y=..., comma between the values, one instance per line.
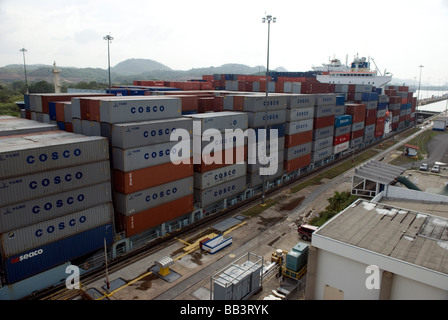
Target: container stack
x=299, y=131
x=149, y=189
x=220, y=159
x=370, y=99
x=55, y=200
x=342, y=132
x=257, y=108
x=324, y=118
x=383, y=101
x=13, y=125
x=358, y=113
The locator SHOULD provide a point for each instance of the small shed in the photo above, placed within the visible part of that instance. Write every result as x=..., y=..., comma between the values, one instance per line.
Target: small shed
x=410, y=150
x=439, y=123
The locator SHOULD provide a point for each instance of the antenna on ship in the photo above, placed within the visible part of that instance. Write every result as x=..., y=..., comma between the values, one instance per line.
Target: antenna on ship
x=56, y=72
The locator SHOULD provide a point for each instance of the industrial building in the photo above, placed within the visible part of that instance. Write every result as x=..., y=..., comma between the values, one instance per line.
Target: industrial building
x=394, y=246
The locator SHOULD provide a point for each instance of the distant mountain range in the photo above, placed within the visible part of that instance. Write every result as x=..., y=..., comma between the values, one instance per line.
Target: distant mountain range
x=129, y=70
x=124, y=72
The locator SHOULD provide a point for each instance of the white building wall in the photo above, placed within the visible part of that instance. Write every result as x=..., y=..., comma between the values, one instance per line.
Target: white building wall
x=344, y=274
x=408, y=289
x=350, y=277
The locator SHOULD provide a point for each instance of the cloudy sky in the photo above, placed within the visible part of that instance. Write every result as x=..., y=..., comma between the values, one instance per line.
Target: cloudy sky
x=400, y=35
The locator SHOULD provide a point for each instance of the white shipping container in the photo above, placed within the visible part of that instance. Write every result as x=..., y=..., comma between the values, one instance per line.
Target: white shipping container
x=323, y=99
x=297, y=151
x=13, y=126
x=301, y=101
x=22, y=155
x=220, y=192
x=136, y=134
x=323, y=133
x=257, y=119
x=339, y=131
x=214, y=177
x=21, y=188
x=341, y=147
x=357, y=126
x=299, y=114
x=322, y=143
x=40, y=209
x=254, y=179
x=254, y=166
x=339, y=110
x=90, y=128
x=129, y=204
x=36, y=235
x=220, y=121
x=299, y=126
x=324, y=110
x=130, y=110
x=147, y=156
x=322, y=154
x=356, y=142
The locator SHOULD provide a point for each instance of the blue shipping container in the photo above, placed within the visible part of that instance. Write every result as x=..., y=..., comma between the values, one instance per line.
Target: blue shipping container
x=39, y=259
x=342, y=120
x=382, y=105
x=52, y=110
x=340, y=99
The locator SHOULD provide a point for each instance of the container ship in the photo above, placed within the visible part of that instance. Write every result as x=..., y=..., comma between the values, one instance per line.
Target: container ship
x=84, y=171
x=358, y=72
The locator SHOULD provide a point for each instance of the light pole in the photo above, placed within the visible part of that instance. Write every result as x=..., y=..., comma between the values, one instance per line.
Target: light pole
x=267, y=19
x=419, y=82
x=109, y=38
x=23, y=50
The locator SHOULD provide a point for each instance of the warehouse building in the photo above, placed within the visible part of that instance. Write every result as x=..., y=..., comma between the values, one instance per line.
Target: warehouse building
x=381, y=249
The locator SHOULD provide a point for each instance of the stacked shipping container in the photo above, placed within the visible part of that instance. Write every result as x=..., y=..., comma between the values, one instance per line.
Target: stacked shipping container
x=323, y=126
x=55, y=203
x=220, y=157
x=299, y=131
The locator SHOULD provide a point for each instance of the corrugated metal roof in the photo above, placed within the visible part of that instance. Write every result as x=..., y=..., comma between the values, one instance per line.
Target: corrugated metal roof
x=378, y=171
x=403, y=234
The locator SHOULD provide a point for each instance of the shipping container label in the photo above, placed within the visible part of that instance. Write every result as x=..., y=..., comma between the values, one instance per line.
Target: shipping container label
x=221, y=191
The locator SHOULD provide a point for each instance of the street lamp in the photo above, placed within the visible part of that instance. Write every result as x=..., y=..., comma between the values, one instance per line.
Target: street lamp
x=267, y=19
x=419, y=82
x=23, y=50
x=109, y=38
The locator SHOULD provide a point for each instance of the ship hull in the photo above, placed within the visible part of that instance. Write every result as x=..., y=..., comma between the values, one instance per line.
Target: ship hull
x=377, y=81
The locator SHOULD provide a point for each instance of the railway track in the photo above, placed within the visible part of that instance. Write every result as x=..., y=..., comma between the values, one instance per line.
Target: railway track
x=61, y=293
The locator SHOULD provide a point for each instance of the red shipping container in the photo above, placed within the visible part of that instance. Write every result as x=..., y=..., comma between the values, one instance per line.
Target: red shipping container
x=205, y=104
x=357, y=134
x=298, y=139
x=60, y=106
x=370, y=116
x=357, y=111
x=297, y=163
x=381, y=120
x=133, y=181
x=341, y=139
x=323, y=122
x=203, y=167
x=218, y=103
x=68, y=126
x=153, y=217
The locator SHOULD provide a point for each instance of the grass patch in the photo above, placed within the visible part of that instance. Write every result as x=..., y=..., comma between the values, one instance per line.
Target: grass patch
x=336, y=171
x=9, y=109
x=257, y=209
